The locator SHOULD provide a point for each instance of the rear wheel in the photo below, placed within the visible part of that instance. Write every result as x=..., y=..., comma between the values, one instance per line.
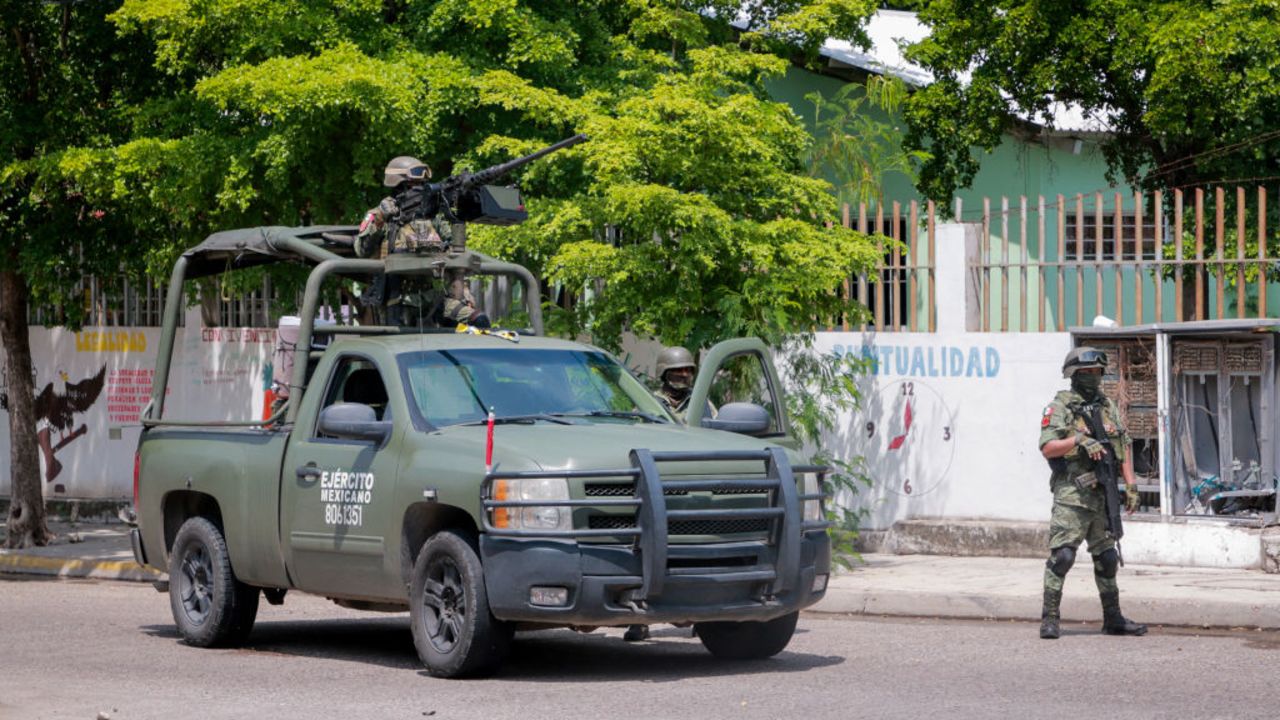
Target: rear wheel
x=747, y=640
x=453, y=630
x=210, y=606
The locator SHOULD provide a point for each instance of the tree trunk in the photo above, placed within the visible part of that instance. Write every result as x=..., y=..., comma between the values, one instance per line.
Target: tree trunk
x=26, y=522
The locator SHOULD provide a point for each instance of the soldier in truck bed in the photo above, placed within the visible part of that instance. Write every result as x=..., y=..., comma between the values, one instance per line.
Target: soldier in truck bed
x=1079, y=513
x=439, y=306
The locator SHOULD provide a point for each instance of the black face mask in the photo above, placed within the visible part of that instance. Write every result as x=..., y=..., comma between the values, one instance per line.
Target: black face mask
x=1086, y=384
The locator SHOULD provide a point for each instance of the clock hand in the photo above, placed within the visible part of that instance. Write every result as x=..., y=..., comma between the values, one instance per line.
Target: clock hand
x=898, y=441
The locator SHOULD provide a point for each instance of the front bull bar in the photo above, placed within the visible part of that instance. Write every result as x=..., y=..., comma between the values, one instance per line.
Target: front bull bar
x=651, y=534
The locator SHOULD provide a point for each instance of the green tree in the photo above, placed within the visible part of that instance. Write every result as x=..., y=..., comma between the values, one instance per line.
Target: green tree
x=690, y=204
x=859, y=138
x=66, y=80
x=1189, y=88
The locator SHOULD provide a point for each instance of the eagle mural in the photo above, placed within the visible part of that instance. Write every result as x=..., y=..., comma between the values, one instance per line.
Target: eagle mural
x=56, y=408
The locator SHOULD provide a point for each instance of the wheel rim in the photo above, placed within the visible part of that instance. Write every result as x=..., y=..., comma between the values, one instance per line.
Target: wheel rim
x=196, y=583
x=444, y=604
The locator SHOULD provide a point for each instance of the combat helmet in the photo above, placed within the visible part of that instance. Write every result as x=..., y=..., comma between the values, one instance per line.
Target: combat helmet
x=1083, y=357
x=405, y=168
x=674, y=358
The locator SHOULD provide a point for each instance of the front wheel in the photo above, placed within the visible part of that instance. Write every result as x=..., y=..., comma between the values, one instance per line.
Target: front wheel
x=747, y=640
x=453, y=630
x=210, y=606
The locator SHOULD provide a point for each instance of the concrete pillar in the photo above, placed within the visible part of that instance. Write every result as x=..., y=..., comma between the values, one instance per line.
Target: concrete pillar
x=957, y=295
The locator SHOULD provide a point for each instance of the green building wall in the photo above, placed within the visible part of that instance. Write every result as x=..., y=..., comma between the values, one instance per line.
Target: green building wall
x=1046, y=166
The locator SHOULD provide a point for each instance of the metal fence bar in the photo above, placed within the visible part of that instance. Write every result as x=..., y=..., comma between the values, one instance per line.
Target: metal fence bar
x=1004, y=264
x=1199, y=269
x=848, y=281
x=1022, y=302
x=1060, y=322
x=1262, y=252
x=1080, y=258
x=933, y=269
x=1240, y=286
x=912, y=233
x=1117, y=240
x=985, y=258
x=1040, y=280
x=1097, y=254
x=1157, y=213
x=864, y=296
x=1177, y=243
x=1220, y=239
x=1138, y=256
x=895, y=272
x=879, y=288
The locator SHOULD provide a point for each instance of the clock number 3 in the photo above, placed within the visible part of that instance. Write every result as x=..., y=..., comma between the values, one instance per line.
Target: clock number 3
x=946, y=433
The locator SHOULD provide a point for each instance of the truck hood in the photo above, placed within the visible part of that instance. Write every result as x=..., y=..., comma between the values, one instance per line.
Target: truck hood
x=598, y=446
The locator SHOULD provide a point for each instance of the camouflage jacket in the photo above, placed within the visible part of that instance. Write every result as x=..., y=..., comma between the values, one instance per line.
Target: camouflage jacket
x=412, y=236
x=1063, y=418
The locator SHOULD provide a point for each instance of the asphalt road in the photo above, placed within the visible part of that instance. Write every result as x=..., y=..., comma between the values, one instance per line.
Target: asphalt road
x=74, y=649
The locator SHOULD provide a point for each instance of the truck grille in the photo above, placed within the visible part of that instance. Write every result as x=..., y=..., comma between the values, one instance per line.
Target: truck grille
x=629, y=490
x=684, y=527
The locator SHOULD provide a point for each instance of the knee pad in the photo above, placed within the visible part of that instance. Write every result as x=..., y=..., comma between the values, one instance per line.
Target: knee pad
x=1106, y=564
x=1061, y=560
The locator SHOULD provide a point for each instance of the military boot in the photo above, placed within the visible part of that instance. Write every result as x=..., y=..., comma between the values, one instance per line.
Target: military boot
x=1113, y=623
x=1049, y=615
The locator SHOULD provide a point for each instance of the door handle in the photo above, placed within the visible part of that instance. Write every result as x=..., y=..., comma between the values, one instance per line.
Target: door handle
x=308, y=472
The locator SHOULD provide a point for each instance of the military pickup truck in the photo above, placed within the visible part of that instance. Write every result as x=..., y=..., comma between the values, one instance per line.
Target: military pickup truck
x=382, y=483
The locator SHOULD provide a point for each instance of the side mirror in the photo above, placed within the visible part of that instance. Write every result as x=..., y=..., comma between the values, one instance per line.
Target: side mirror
x=739, y=417
x=354, y=421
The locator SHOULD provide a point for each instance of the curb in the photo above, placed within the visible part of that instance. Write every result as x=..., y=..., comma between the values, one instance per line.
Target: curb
x=18, y=564
x=1153, y=611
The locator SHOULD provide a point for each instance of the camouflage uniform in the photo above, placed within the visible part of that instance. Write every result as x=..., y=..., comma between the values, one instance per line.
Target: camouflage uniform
x=1078, y=512
x=1079, y=505
x=413, y=236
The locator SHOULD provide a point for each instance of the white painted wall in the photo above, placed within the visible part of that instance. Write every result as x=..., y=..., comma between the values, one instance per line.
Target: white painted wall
x=218, y=373
x=971, y=448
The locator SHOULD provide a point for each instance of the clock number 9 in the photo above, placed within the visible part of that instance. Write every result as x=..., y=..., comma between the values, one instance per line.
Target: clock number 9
x=871, y=429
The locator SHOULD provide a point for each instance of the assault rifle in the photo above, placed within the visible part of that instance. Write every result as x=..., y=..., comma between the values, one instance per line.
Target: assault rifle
x=1107, y=471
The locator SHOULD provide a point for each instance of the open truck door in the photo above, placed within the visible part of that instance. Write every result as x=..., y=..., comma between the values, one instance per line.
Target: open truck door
x=737, y=388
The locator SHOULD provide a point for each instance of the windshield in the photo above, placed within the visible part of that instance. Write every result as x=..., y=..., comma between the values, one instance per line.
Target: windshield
x=452, y=387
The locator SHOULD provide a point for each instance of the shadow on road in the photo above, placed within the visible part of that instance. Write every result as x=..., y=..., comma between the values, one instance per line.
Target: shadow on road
x=540, y=656
x=671, y=656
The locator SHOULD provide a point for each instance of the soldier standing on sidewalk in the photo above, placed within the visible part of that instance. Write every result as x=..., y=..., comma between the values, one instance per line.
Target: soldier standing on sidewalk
x=1079, y=512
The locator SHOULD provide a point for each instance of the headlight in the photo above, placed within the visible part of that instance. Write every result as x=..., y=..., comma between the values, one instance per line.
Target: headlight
x=812, y=508
x=542, y=517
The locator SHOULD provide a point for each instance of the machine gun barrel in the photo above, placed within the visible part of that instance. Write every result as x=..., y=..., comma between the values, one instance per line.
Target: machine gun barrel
x=489, y=174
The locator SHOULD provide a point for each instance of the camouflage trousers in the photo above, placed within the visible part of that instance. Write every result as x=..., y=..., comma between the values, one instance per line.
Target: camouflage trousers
x=1070, y=525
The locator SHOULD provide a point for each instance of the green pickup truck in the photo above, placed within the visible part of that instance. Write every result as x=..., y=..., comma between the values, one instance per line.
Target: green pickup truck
x=384, y=484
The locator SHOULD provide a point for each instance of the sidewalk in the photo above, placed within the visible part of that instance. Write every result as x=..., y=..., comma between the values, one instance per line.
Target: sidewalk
x=903, y=585
x=91, y=550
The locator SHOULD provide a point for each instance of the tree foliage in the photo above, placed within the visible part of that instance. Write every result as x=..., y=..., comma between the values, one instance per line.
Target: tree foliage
x=1190, y=89
x=130, y=131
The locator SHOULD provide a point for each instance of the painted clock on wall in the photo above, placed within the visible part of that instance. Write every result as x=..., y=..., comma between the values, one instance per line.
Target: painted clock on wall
x=908, y=437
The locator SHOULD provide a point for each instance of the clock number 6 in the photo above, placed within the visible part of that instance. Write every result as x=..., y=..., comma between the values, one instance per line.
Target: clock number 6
x=906, y=486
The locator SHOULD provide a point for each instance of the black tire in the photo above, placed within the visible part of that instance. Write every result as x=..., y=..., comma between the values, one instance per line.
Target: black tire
x=453, y=630
x=747, y=640
x=210, y=606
